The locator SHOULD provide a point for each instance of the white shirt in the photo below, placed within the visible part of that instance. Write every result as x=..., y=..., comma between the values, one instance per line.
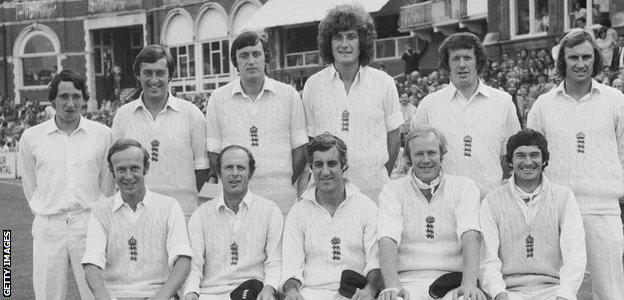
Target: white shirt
x=571, y=240
x=362, y=118
x=180, y=129
x=476, y=130
x=586, y=144
x=277, y=116
x=256, y=229
x=62, y=173
x=177, y=242
x=318, y=247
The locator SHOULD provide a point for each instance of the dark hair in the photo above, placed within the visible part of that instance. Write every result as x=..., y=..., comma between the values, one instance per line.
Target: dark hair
x=458, y=41
x=124, y=144
x=324, y=142
x=151, y=54
x=424, y=132
x=252, y=161
x=343, y=18
x=250, y=38
x=71, y=76
x=606, y=22
x=572, y=39
x=527, y=137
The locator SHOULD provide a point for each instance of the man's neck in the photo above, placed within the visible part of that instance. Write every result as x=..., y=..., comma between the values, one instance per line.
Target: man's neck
x=347, y=73
x=252, y=86
x=232, y=201
x=134, y=199
x=577, y=89
x=468, y=90
x=67, y=127
x=528, y=186
x=332, y=199
x=155, y=105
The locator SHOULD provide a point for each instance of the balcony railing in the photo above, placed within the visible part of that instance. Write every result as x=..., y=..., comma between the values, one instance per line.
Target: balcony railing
x=415, y=15
x=101, y=6
x=35, y=9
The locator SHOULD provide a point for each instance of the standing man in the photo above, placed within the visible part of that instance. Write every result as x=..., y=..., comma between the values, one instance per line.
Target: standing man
x=583, y=122
x=262, y=114
x=332, y=229
x=137, y=245
x=532, y=230
x=63, y=174
x=476, y=119
x=353, y=101
x=174, y=130
x=428, y=225
x=235, y=237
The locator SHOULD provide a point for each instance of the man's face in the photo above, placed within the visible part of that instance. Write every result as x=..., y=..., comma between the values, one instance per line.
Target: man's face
x=68, y=102
x=527, y=164
x=426, y=157
x=154, y=78
x=579, y=63
x=463, y=67
x=129, y=171
x=404, y=99
x=327, y=170
x=346, y=47
x=235, y=172
x=251, y=62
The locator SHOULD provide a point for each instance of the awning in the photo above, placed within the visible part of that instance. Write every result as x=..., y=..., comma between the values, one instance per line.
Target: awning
x=290, y=12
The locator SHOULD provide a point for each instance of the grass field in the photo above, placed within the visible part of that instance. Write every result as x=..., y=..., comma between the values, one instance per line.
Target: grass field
x=16, y=216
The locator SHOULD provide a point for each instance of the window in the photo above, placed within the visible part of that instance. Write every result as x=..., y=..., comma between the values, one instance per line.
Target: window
x=216, y=58
x=39, y=61
x=102, y=52
x=184, y=56
x=529, y=17
x=588, y=13
x=394, y=47
x=300, y=49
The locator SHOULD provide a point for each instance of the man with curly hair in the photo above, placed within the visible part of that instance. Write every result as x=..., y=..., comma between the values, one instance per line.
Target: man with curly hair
x=475, y=118
x=353, y=101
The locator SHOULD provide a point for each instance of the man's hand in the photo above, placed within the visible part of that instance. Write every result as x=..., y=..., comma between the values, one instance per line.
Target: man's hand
x=502, y=296
x=394, y=294
x=191, y=296
x=363, y=294
x=267, y=293
x=470, y=292
x=293, y=295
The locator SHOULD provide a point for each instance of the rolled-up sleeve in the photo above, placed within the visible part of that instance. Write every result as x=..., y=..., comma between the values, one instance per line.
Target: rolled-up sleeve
x=370, y=240
x=467, y=209
x=391, y=106
x=198, y=141
x=95, y=251
x=177, y=237
x=298, y=134
x=390, y=220
x=214, y=138
x=198, y=245
x=273, y=264
x=308, y=108
x=512, y=124
x=293, y=252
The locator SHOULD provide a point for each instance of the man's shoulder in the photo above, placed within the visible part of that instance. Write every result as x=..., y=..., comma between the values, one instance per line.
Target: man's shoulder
x=497, y=193
x=317, y=77
x=399, y=184
x=37, y=129
x=224, y=91
x=611, y=94
x=496, y=93
x=441, y=96
x=461, y=182
x=263, y=204
x=98, y=127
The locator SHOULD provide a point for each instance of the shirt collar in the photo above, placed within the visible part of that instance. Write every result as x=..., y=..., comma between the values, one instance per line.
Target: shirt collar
x=118, y=202
x=310, y=194
x=268, y=85
x=247, y=200
x=333, y=73
x=482, y=89
x=595, y=88
x=521, y=195
x=51, y=126
x=172, y=102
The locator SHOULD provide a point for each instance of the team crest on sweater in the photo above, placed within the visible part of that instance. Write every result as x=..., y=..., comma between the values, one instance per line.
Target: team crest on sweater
x=132, y=245
x=345, y=120
x=253, y=132
x=467, y=146
x=335, y=248
x=580, y=142
x=234, y=254
x=429, y=229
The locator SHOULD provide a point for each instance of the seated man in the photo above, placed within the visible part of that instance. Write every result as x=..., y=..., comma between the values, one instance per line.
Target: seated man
x=236, y=236
x=428, y=224
x=332, y=229
x=137, y=246
x=533, y=233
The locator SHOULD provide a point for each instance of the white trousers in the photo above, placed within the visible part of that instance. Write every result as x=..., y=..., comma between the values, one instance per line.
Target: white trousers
x=604, y=240
x=320, y=294
x=58, y=243
x=417, y=285
x=543, y=294
x=225, y=296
